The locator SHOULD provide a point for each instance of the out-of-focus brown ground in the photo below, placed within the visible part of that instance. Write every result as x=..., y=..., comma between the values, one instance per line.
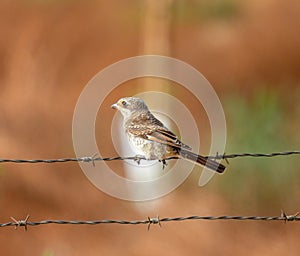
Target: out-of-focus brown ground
x=49, y=50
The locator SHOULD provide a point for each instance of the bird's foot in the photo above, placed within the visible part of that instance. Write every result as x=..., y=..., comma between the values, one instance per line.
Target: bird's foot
x=138, y=159
x=164, y=163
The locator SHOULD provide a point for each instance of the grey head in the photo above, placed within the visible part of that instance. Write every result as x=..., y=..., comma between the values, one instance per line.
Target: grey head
x=130, y=106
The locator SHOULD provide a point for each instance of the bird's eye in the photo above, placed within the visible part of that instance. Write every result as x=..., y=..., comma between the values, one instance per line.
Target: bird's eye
x=124, y=103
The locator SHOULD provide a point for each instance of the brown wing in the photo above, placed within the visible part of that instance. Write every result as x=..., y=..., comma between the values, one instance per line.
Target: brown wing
x=150, y=128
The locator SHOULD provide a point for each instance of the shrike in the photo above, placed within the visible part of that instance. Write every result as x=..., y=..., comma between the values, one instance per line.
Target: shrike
x=155, y=141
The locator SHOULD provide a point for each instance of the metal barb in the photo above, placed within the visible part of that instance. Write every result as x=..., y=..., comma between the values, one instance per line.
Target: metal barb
x=93, y=159
x=226, y=159
x=153, y=221
x=21, y=223
x=286, y=217
x=86, y=159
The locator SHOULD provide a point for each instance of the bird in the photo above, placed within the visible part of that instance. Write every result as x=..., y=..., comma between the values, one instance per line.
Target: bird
x=152, y=139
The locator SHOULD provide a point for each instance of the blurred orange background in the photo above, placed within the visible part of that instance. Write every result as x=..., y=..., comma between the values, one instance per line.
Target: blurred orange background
x=250, y=53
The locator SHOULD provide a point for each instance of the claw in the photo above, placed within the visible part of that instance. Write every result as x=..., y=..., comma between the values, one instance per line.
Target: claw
x=164, y=163
x=138, y=159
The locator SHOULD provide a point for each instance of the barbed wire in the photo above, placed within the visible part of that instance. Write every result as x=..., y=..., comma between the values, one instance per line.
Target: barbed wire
x=149, y=221
x=93, y=158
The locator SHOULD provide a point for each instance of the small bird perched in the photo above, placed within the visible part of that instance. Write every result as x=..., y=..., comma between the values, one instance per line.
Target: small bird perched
x=152, y=139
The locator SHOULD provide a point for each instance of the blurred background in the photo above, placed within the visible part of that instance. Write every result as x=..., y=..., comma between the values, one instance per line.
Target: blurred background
x=250, y=53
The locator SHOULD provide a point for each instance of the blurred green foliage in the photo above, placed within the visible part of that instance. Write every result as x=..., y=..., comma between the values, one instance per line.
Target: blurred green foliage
x=260, y=124
x=50, y=2
x=48, y=253
x=205, y=10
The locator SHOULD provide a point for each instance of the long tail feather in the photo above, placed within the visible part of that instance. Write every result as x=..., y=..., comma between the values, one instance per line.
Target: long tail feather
x=211, y=164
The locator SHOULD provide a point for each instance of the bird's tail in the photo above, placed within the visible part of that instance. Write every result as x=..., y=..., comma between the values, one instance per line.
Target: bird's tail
x=211, y=164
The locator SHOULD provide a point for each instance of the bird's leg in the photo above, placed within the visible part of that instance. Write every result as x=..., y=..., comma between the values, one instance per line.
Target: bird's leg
x=138, y=158
x=164, y=163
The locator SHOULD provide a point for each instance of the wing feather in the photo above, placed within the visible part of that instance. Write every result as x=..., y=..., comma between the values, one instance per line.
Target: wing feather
x=150, y=128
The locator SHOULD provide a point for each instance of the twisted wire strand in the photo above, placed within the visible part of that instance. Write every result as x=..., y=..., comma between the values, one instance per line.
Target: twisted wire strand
x=149, y=221
x=139, y=158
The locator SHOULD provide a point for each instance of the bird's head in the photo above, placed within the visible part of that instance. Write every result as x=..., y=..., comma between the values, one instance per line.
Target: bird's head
x=130, y=106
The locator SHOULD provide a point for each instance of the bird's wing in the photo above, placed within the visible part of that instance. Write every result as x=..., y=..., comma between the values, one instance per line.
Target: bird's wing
x=167, y=137
x=150, y=128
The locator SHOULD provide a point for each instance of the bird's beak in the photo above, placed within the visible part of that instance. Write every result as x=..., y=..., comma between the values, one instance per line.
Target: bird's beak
x=115, y=106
